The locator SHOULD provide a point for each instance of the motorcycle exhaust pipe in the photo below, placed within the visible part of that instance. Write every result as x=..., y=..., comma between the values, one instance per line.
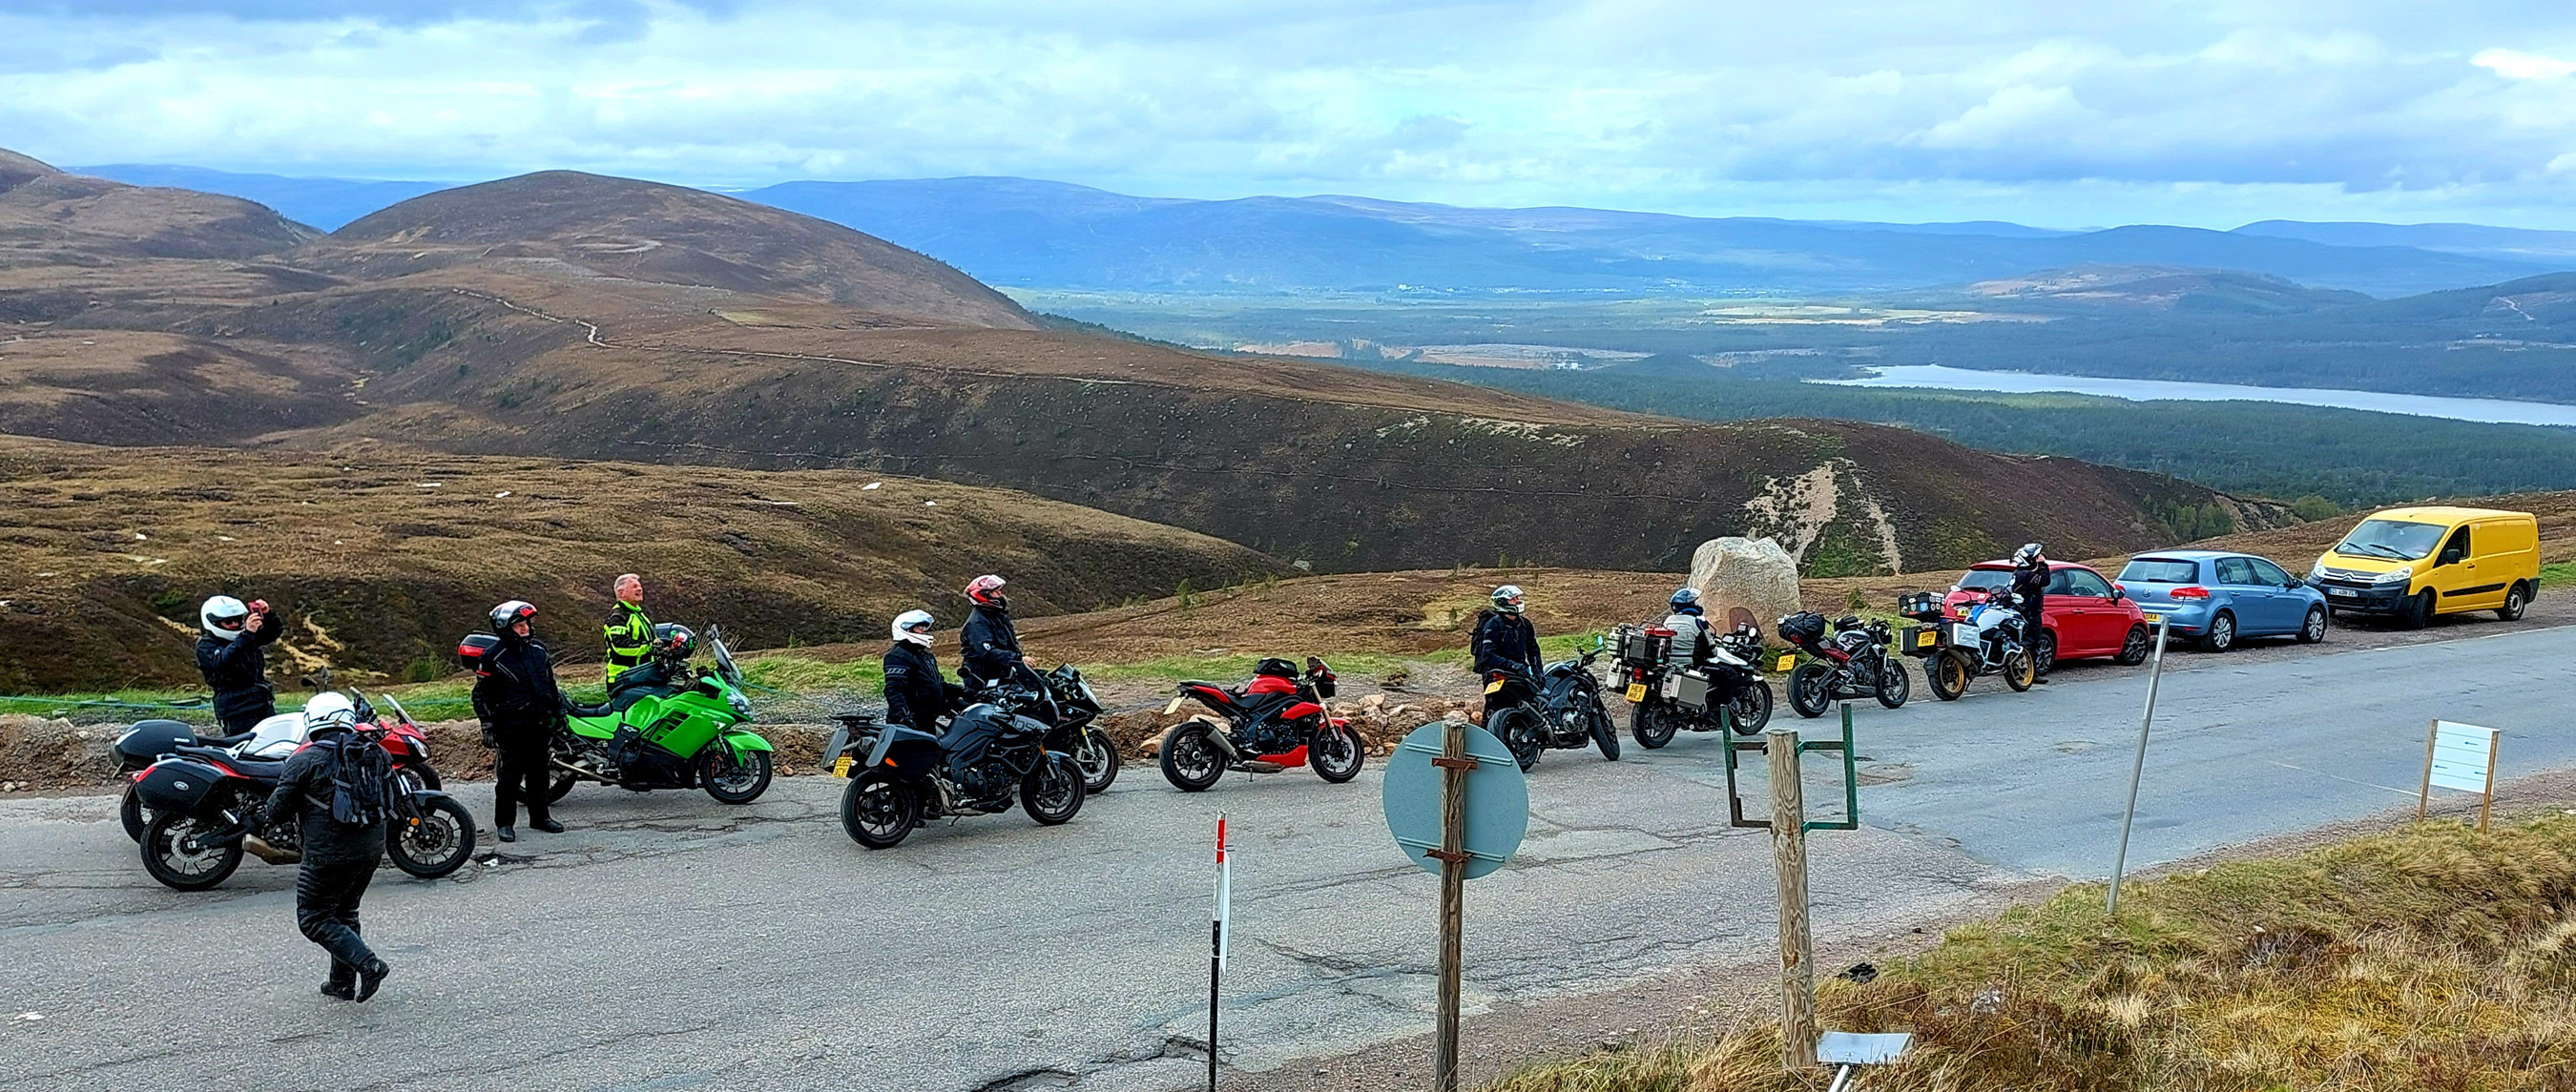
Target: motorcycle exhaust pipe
x=261, y=849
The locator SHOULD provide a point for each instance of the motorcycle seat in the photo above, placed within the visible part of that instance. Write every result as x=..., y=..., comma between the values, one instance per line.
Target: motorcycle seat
x=577, y=709
x=233, y=740
x=268, y=768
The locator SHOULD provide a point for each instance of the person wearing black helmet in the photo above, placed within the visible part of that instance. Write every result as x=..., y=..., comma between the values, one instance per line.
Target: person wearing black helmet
x=520, y=706
x=233, y=657
x=916, y=696
x=1505, y=641
x=990, y=644
x=2030, y=590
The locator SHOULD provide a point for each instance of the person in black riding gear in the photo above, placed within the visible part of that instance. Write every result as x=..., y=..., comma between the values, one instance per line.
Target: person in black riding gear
x=521, y=707
x=916, y=696
x=990, y=645
x=233, y=658
x=2030, y=591
x=1504, y=641
x=664, y=672
x=339, y=857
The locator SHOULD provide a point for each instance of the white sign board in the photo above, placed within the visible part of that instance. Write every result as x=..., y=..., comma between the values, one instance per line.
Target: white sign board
x=2463, y=756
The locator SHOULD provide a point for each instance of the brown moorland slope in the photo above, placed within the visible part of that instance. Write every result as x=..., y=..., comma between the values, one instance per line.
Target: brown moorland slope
x=382, y=556
x=50, y=218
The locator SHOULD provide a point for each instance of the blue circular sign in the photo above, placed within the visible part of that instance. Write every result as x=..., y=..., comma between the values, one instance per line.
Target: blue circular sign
x=1497, y=800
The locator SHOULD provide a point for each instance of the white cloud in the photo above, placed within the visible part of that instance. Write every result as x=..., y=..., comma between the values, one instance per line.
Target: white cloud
x=2514, y=64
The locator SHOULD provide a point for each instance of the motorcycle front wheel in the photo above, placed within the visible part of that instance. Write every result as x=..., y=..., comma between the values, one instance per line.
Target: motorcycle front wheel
x=1603, y=735
x=1052, y=791
x=440, y=842
x=1894, y=685
x=1191, y=761
x=1811, y=689
x=1336, y=754
x=2020, y=672
x=1520, y=730
x=1948, y=671
x=878, y=811
x=175, y=852
x=736, y=778
x=1099, y=761
x=1650, y=724
x=1749, y=711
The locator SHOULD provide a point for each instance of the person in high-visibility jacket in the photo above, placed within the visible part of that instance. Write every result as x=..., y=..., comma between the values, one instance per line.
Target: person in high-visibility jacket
x=629, y=632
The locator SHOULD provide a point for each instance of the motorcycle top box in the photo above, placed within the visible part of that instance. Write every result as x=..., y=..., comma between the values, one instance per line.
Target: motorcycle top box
x=148, y=740
x=177, y=785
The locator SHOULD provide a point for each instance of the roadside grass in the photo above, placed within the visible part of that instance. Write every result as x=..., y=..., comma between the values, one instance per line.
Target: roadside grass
x=2433, y=957
x=2558, y=574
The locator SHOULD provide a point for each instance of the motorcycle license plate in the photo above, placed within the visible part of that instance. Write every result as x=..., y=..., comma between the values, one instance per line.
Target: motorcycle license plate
x=1926, y=639
x=1787, y=660
x=841, y=766
x=1636, y=691
x=1493, y=686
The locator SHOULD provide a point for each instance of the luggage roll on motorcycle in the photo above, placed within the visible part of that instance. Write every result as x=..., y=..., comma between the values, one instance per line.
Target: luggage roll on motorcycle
x=1277, y=721
x=988, y=759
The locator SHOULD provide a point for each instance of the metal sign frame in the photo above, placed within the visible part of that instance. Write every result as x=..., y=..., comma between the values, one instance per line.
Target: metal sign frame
x=1851, y=775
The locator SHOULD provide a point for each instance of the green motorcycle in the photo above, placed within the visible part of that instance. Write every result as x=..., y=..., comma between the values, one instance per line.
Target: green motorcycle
x=687, y=738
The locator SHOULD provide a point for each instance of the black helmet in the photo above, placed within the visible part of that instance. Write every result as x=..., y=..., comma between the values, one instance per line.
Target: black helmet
x=673, y=642
x=1275, y=667
x=511, y=613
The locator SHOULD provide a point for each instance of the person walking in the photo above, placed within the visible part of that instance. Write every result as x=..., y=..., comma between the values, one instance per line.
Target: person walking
x=520, y=706
x=232, y=656
x=334, y=789
x=628, y=631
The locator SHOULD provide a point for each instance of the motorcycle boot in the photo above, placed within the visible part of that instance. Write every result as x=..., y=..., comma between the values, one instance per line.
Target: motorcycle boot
x=370, y=977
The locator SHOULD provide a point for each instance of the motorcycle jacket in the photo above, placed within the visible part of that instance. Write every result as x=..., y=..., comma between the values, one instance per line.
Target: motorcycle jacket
x=991, y=645
x=1691, y=638
x=237, y=671
x=915, y=694
x=630, y=639
x=303, y=795
x=2029, y=586
x=1505, y=642
x=516, y=692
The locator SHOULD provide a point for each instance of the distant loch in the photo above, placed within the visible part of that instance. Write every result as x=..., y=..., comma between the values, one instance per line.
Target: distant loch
x=1943, y=377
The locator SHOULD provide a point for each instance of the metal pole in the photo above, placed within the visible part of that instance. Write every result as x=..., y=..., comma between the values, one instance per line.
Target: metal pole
x=2138, y=766
x=1454, y=765
x=1789, y=858
x=1216, y=944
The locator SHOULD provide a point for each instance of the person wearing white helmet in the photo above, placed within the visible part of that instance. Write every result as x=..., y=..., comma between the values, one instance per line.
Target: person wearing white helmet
x=916, y=696
x=990, y=644
x=232, y=656
x=335, y=789
x=1505, y=641
x=2031, y=573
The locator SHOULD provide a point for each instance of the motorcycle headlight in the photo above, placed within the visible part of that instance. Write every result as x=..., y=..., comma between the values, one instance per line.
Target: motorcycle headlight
x=741, y=706
x=2398, y=575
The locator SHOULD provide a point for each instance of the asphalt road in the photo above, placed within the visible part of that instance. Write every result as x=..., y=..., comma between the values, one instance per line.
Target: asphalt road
x=669, y=942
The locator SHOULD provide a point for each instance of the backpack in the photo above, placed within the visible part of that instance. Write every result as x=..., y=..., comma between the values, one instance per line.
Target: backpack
x=361, y=776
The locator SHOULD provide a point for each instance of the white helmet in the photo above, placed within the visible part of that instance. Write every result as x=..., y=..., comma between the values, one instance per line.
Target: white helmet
x=2028, y=554
x=222, y=616
x=913, y=626
x=328, y=709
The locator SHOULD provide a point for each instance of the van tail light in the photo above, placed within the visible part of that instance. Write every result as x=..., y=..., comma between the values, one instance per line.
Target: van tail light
x=2194, y=591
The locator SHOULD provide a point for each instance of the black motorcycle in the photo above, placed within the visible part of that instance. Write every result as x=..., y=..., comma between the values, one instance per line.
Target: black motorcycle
x=1854, y=663
x=986, y=760
x=1562, y=710
x=1064, y=699
x=1668, y=695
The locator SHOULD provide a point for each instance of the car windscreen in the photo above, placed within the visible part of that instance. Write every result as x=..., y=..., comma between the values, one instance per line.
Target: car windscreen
x=2394, y=539
x=2161, y=570
x=1986, y=580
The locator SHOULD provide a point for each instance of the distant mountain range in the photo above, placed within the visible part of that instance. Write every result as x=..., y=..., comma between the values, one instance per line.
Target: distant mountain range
x=1037, y=234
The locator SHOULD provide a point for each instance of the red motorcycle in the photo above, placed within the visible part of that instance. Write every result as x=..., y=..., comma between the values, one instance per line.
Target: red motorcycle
x=1275, y=722
x=208, y=806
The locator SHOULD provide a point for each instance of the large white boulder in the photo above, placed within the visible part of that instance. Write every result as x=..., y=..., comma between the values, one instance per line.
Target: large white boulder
x=1754, y=575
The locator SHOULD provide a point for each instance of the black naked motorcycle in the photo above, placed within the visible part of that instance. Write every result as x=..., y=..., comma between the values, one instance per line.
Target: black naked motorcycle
x=1561, y=709
x=986, y=760
x=1064, y=699
x=1854, y=663
x=1668, y=694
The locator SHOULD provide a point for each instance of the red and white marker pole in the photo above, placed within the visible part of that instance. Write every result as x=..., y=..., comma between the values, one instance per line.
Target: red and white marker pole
x=1218, y=930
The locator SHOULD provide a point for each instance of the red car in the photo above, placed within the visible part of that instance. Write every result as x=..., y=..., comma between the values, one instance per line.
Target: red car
x=2085, y=616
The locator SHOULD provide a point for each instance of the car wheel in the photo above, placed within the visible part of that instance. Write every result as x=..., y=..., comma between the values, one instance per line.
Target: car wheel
x=2221, y=635
x=2515, y=601
x=2314, y=629
x=2046, y=661
x=2419, y=611
x=2135, y=647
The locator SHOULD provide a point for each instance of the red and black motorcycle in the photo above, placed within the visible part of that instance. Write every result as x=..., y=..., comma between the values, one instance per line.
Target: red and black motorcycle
x=1275, y=722
x=209, y=805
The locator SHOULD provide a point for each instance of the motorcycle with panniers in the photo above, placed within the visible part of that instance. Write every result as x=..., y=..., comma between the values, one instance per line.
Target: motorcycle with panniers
x=986, y=759
x=1668, y=694
x=1277, y=721
x=689, y=738
x=1987, y=640
x=208, y=805
x=1854, y=662
x=1563, y=709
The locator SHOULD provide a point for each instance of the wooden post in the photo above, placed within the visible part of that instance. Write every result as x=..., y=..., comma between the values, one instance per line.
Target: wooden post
x=2425, y=796
x=1454, y=765
x=1789, y=857
x=2488, y=802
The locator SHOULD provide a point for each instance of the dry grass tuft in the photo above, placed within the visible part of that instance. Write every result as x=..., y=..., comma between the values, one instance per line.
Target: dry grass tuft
x=2431, y=958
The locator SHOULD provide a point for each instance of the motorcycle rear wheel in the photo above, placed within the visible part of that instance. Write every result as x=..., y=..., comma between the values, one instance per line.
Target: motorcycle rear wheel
x=1749, y=711
x=1811, y=690
x=1191, y=760
x=130, y=812
x=1052, y=791
x=878, y=811
x=173, y=855
x=1337, y=754
x=1099, y=761
x=2019, y=671
x=560, y=787
x=1520, y=730
x=1650, y=724
x=1948, y=671
x=440, y=843
x=1894, y=685
x=736, y=780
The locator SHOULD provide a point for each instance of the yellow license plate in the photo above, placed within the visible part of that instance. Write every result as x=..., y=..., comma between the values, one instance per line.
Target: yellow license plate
x=2152, y=618
x=1786, y=662
x=1493, y=686
x=1925, y=639
x=841, y=766
x=1636, y=691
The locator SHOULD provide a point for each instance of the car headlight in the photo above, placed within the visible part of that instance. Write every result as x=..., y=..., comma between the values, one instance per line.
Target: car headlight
x=2398, y=575
x=2318, y=570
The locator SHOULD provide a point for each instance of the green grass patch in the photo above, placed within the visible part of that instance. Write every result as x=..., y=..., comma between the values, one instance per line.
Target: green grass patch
x=2558, y=574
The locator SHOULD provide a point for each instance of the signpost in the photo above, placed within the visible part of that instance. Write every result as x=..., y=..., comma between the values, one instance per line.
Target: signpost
x=2138, y=767
x=1458, y=805
x=1220, y=931
x=1789, y=826
x=2459, y=756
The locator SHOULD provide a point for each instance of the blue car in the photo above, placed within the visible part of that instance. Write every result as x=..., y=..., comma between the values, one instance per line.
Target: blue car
x=2219, y=598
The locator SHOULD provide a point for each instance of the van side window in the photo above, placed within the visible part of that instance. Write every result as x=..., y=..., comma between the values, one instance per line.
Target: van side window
x=2458, y=547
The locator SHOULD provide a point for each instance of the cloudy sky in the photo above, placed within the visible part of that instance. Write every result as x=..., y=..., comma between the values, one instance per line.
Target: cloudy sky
x=2059, y=113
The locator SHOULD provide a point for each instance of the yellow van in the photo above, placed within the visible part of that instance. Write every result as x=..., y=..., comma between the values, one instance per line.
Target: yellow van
x=2414, y=563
